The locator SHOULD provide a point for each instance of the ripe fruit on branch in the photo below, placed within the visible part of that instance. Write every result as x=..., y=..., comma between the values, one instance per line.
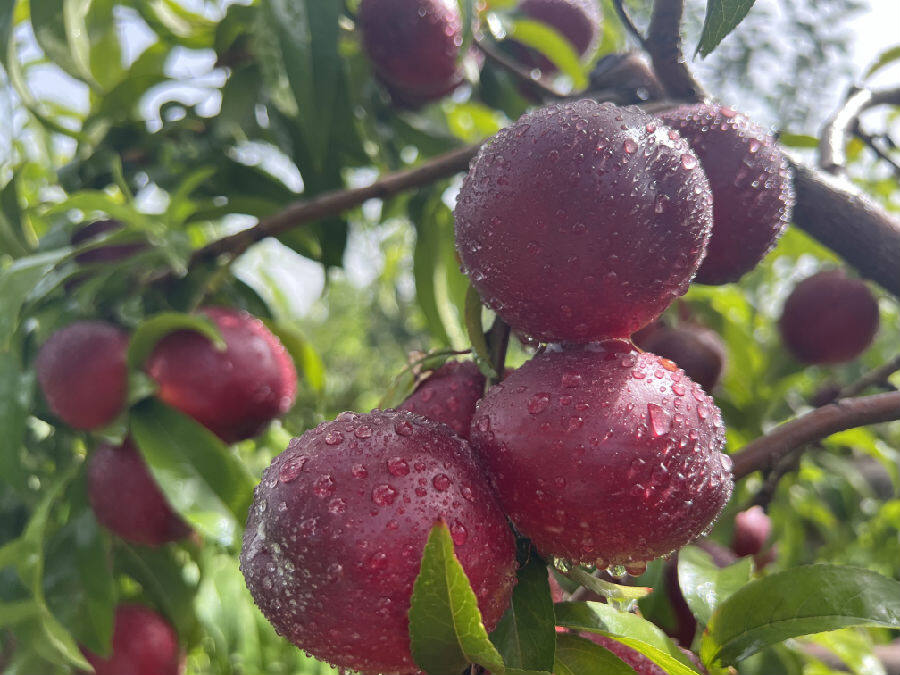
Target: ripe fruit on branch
x=335, y=535
x=578, y=21
x=601, y=454
x=449, y=395
x=751, y=531
x=583, y=221
x=143, y=643
x=698, y=351
x=126, y=499
x=414, y=46
x=829, y=318
x=83, y=374
x=751, y=185
x=234, y=393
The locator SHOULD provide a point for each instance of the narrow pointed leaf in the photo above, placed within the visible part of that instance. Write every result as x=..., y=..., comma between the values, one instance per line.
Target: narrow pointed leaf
x=722, y=16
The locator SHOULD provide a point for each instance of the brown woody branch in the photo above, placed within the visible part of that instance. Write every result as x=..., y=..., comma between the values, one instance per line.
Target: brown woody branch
x=832, y=154
x=664, y=44
x=847, y=413
x=535, y=85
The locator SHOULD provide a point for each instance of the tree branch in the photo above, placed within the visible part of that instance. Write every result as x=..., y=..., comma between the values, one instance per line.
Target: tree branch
x=535, y=85
x=874, y=378
x=338, y=201
x=664, y=45
x=625, y=18
x=847, y=413
x=832, y=154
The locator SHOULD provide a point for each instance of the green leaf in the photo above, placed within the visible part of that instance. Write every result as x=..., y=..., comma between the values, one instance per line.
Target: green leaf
x=445, y=628
x=476, y=334
x=16, y=283
x=14, y=240
x=854, y=648
x=202, y=480
x=722, y=16
x=105, y=52
x=304, y=356
x=526, y=635
x=578, y=656
x=704, y=585
x=629, y=629
x=798, y=140
x=154, y=329
x=553, y=45
x=16, y=389
x=307, y=35
x=607, y=588
x=60, y=32
x=176, y=24
x=147, y=71
x=886, y=58
x=12, y=613
x=62, y=642
x=800, y=601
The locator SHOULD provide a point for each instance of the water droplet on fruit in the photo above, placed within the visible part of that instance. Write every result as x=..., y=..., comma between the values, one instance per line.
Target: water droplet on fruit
x=441, y=482
x=337, y=506
x=727, y=463
x=323, y=486
x=397, y=466
x=334, y=437
x=363, y=431
x=636, y=569
x=359, y=471
x=571, y=379
x=660, y=422
x=383, y=495
x=403, y=428
x=291, y=469
x=538, y=403
x=459, y=533
x=630, y=146
x=377, y=561
x=688, y=161
x=483, y=424
x=467, y=494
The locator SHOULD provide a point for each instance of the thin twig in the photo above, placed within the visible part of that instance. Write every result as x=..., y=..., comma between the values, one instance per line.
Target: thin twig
x=625, y=18
x=874, y=378
x=871, y=143
x=832, y=148
x=664, y=45
x=846, y=413
x=498, y=341
x=535, y=85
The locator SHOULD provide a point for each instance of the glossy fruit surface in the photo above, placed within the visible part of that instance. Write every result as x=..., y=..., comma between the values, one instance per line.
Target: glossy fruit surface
x=829, y=318
x=582, y=221
x=449, y=395
x=83, y=374
x=751, y=531
x=413, y=45
x=698, y=351
x=751, y=184
x=604, y=454
x=234, y=393
x=127, y=501
x=578, y=21
x=335, y=535
x=143, y=644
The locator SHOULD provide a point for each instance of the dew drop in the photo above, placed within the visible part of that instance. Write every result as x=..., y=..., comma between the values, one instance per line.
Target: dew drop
x=688, y=161
x=383, y=495
x=459, y=533
x=397, y=466
x=363, y=431
x=660, y=422
x=630, y=146
x=538, y=403
x=403, y=428
x=441, y=482
x=291, y=469
x=359, y=471
x=324, y=486
x=334, y=437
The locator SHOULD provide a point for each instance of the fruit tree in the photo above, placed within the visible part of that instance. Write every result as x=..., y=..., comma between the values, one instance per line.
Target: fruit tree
x=448, y=336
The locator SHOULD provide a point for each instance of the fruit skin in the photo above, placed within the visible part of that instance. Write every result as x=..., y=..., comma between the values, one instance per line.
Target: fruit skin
x=449, y=396
x=127, y=501
x=414, y=46
x=751, y=530
x=578, y=21
x=747, y=218
x=83, y=374
x=335, y=535
x=601, y=454
x=234, y=393
x=698, y=351
x=143, y=643
x=829, y=318
x=102, y=254
x=566, y=241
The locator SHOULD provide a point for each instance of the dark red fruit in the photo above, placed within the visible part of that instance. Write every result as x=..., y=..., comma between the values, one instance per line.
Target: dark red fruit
x=102, y=254
x=578, y=21
x=829, y=318
x=602, y=454
x=449, y=396
x=234, y=393
x=336, y=532
x=126, y=499
x=143, y=643
x=414, y=46
x=82, y=371
x=751, y=185
x=583, y=221
x=698, y=351
x=751, y=531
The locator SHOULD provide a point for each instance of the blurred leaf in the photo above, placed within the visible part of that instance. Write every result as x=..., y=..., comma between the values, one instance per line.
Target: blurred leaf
x=61, y=33
x=854, y=648
x=306, y=360
x=12, y=613
x=578, y=656
x=800, y=601
x=105, y=55
x=526, y=635
x=704, y=585
x=153, y=329
x=886, y=58
x=476, y=334
x=629, y=629
x=176, y=24
x=16, y=284
x=445, y=628
x=147, y=71
x=722, y=16
x=607, y=588
x=307, y=34
x=202, y=480
x=798, y=140
x=553, y=45
x=14, y=241
x=16, y=389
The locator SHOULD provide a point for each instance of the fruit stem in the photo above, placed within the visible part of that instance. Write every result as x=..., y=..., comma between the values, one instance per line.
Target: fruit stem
x=498, y=341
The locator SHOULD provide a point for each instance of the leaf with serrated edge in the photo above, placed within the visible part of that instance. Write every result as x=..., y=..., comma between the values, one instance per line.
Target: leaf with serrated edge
x=722, y=16
x=800, y=601
x=704, y=585
x=445, y=628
